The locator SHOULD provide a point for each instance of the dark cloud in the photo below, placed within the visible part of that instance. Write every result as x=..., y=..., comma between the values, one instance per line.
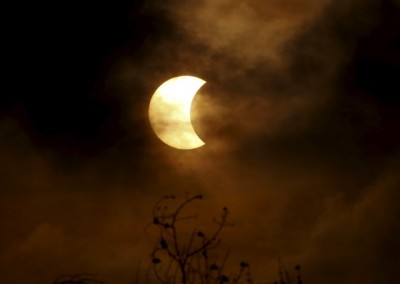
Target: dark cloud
x=300, y=114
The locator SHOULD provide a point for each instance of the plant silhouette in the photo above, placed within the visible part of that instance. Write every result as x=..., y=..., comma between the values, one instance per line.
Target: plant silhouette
x=195, y=259
x=82, y=278
x=187, y=261
x=192, y=259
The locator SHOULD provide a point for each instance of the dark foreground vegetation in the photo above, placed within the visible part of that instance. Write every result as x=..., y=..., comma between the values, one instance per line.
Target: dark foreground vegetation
x=194, y=257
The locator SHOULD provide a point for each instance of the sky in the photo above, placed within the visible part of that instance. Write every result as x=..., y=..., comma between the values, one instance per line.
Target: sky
x=300, y=115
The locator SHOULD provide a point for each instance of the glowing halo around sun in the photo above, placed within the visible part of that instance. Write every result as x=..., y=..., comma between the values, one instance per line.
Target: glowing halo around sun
x=169, y=112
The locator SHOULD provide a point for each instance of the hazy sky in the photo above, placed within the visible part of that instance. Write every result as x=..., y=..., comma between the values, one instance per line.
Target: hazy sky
x=300, y=115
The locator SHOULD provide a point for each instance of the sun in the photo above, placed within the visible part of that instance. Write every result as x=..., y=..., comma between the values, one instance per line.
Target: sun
x=169, y=112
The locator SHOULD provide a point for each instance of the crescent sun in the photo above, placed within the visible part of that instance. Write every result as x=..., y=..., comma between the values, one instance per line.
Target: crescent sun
x=169, y=112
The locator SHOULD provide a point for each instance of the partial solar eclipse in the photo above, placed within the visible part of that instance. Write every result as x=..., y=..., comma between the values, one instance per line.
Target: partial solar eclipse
x=169, y=112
